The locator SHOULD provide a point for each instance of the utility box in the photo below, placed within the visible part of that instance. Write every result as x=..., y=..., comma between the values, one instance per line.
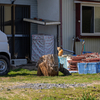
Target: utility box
x=42, y=45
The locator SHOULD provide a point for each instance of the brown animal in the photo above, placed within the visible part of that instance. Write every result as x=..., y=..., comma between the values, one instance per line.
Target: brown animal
x=60, y=51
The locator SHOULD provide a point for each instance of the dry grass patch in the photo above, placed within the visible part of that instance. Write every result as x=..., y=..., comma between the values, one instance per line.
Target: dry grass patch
x=52, y=94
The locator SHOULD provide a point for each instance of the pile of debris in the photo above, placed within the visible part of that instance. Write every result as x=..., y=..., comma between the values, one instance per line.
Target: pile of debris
x=48, y=65
x=84, y=58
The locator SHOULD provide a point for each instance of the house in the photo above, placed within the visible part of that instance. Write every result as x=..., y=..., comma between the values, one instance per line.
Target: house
x=15, y=22
x=77, y=22
x=80, y=19
x=77, y=19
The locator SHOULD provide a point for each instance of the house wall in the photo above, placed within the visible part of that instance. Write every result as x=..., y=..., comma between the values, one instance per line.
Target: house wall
x=33, y=5
x=91, y=44
x=50, y=10
x=68, y=23
x=68, y=30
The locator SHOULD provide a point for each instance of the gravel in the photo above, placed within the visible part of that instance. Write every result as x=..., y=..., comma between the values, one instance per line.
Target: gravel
x=38, y=86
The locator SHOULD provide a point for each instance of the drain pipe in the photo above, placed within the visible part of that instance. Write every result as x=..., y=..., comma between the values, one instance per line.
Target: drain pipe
x=61, y=22
x=83, y=44
x=82, y=47
x=73, y=45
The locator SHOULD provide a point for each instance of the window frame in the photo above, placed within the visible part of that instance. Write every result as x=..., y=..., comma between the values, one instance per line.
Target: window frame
x=88, y=34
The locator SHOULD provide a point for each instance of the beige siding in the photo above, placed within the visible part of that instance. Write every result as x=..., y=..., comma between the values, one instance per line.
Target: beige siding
x=49, y=9
x=68, y=23
x=91, y=44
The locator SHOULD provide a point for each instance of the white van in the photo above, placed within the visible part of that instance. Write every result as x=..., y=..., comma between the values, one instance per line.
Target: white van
x=4, y=54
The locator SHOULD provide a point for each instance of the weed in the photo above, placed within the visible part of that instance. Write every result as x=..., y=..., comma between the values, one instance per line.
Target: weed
x=49, y=98
x=87, y=96
x=2, y=98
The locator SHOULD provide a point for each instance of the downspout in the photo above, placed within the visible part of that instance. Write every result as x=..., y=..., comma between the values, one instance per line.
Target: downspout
x=61, y=22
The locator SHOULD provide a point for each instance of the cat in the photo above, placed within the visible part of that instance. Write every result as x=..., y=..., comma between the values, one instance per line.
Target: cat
x=60, y=51
x=28, y=59
x=15, y=55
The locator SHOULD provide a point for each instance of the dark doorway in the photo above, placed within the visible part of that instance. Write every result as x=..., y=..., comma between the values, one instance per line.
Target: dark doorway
x=18, y=31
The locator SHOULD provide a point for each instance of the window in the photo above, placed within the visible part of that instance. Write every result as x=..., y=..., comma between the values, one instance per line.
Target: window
x=90, y=20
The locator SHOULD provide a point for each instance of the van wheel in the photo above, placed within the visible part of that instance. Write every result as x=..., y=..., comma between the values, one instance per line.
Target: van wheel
x=4, y=65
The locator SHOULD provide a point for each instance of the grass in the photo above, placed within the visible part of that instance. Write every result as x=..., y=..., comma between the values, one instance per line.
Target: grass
x=88, y=93
x=87, y=96
x=24, y=75
x=20, y=76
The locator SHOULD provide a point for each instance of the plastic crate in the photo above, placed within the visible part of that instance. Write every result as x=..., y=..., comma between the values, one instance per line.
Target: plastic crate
x=88, y=68
x=98, y=69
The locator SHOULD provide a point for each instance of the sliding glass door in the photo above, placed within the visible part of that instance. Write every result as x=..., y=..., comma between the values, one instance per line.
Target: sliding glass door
x=17, y=31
